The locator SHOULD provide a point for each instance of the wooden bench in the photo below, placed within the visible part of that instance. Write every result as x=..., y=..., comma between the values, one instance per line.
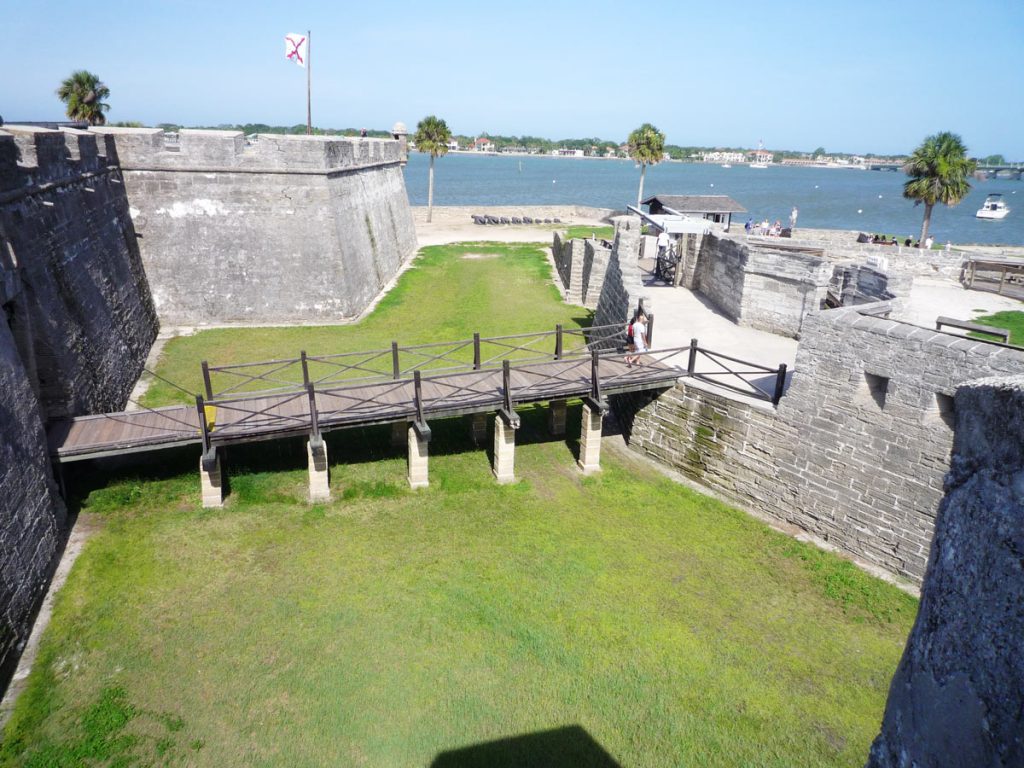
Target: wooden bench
x=975, y=327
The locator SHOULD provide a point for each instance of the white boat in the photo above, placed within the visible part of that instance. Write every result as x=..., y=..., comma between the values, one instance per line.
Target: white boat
x=759, y=165
x=994, y=208
x=726, y=165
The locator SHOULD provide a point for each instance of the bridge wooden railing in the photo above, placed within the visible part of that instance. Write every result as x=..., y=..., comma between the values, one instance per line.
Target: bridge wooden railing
x=399, y=361
x=369, y=399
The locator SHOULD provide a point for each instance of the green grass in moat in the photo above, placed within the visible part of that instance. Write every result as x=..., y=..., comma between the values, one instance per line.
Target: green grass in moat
x=583, y=231
x=389, y=626
x=1012, y=321
x=449, y=293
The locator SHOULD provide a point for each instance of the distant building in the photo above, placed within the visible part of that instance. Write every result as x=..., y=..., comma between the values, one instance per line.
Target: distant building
x=760, y=156
x=483, y=144
x=721, y=156
x=716, y=208
x=453, y=145
x=564, y=152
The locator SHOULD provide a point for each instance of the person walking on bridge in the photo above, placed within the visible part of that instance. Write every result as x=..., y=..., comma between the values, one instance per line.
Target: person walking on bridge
x=639, y=345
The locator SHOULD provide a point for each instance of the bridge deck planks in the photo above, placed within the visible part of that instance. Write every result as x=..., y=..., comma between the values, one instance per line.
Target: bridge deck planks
x=269, y=416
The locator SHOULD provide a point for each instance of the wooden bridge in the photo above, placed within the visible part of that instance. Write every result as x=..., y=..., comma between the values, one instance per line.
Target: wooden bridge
x=404, y=386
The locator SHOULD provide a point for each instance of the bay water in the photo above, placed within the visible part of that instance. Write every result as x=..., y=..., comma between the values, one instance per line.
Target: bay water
x=832, y=198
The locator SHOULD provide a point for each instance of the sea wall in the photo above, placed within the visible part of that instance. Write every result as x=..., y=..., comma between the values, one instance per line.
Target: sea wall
x=955, y=699
x=272, y=229
x=857, y=448
x=76, y=327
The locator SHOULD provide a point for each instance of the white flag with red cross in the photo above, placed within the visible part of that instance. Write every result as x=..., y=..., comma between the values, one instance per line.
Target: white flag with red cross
x=296, y=48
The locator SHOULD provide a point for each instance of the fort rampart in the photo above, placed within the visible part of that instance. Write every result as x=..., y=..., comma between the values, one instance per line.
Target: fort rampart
x=856, y=450
x=271, y=229
x=78, y=322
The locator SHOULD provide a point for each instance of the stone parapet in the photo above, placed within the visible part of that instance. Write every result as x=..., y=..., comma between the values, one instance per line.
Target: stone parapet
x=856, y=450
x=199, y=150
x=955, y=699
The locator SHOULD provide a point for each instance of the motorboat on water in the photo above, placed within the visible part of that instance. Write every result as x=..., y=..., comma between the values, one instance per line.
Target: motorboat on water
x=994, y=208
x=727, y=165
x=759, y=165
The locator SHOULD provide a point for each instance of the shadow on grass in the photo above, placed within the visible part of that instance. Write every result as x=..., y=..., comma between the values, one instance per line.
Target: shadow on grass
x=557, y=748
x=358, y=446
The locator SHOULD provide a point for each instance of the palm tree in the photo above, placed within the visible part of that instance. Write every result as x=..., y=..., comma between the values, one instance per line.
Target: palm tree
x=84, y=93
x=432, y=135
x=938, y=171
x=646, y=146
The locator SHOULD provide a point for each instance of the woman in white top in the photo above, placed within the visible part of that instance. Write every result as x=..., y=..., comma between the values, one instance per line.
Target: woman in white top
x=639, y=339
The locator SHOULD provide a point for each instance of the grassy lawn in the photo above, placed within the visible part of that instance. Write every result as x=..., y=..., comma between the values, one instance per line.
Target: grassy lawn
x=1011, y=321
x=616, y=619
x=450, y=293
x=390, y=626
x=608, y=233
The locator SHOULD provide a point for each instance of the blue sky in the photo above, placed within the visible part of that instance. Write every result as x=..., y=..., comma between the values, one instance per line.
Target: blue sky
x=856, y=77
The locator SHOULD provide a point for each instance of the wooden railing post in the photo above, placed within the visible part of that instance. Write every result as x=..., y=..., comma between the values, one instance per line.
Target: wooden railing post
x=396, y=370
x=420, y=424
x=780, y=384
x=595, y=377
x=206, y=381
x=558, y=341
x=201, y=408
x=305, y=368
x=476, y=351
x=314, y=435
x=691, y=365
x=650, y=330
x=508, y=412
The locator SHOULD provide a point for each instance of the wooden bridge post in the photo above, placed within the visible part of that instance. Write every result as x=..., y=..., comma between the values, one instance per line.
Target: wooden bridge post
x=478, y=427
x=691, y=363
x=206, y=380
x=558, y=341
x=594, y=408
x=780, y=384
x=211, y=474
x=418, y=438
x=316, y=454
x=556, y=417
x=506, y=422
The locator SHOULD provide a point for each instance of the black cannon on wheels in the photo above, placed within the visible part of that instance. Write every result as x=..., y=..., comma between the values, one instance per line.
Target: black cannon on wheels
x=666, y=265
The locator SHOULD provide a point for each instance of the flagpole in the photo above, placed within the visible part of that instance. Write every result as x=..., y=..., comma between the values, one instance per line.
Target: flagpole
x=309, y=78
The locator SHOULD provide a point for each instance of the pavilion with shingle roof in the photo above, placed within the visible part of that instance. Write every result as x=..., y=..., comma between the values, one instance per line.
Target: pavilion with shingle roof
x=716, y=208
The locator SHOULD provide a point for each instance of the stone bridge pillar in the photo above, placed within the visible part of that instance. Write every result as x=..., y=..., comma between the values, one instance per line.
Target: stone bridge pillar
x=556, y=417
x=590, y=439
x=418, y=477
x=212, y=480
x=504, y=450
x=319, y=479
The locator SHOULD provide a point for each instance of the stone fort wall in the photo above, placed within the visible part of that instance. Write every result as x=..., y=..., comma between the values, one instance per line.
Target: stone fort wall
x=856, y=450
x=77, y=324
x=272, y=230
x=956, y=696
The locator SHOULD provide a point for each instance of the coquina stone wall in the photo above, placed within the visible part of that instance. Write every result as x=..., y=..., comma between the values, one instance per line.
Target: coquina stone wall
x=581, y=265
x=622, y=288
x=84, y=315
x=955, y=699
x=276, y=229
x=76, y=326
x=761, y=285
x=857, y=448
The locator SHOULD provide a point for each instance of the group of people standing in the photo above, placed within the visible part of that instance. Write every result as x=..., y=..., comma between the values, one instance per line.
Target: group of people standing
x=766, y=229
